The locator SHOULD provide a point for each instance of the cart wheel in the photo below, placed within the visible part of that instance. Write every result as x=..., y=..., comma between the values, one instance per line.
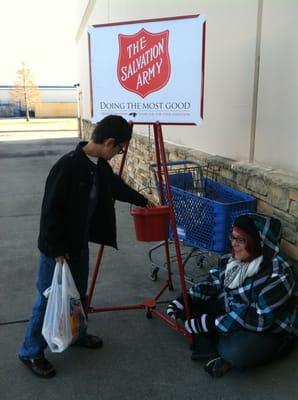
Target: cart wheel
x=149, y=314
x=154, y=274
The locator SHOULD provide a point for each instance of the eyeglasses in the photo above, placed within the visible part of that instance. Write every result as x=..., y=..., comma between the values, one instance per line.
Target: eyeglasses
x=121, y=149
x=238, y=240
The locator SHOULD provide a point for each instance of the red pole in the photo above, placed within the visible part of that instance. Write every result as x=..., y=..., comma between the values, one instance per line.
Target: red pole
x=161, y=194
x=161, y=149
x=123, y=160
x=101, y=248
x=95, y=273
x=158, y=162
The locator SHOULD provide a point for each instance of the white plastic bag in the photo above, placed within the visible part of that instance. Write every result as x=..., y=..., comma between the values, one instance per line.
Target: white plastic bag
x=64, y=318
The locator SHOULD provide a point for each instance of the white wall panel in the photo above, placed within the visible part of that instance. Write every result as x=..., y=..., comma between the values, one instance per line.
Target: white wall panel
x=229, y=74
x=277, y=122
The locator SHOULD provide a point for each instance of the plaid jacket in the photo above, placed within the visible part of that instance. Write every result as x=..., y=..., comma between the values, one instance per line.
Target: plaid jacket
x=266, y=301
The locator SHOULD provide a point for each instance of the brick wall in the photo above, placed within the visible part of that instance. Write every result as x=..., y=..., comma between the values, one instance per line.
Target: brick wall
x=276, y=191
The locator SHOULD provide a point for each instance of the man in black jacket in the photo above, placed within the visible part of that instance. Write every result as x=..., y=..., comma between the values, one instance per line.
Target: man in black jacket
x=78, y=207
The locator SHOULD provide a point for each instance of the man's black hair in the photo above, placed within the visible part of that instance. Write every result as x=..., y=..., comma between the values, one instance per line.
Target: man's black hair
x=112, y=126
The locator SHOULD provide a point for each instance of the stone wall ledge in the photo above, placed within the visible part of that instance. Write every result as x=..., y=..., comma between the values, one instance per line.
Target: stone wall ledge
x=277, y=177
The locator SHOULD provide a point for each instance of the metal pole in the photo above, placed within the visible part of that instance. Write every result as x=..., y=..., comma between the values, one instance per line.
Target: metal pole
x=256, y=83
x=173, y=218
x=101, y=247
x=79, y=113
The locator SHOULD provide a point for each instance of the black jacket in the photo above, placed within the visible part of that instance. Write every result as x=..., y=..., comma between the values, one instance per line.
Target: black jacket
x=64, y=211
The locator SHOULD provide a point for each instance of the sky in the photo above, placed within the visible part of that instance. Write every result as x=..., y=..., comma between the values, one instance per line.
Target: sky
x=42, y=34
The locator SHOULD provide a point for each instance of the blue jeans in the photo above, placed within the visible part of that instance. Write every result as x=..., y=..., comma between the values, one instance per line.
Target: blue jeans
x=242, y=348
x=34, y=343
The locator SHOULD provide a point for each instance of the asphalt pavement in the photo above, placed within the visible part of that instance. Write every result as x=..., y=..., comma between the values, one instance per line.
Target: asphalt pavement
x=142, y=359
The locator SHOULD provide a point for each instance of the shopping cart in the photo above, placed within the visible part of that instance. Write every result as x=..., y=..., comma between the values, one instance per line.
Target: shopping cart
x=204, y=209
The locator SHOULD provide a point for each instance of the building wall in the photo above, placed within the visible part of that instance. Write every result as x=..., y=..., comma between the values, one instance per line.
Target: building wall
x=230, y=74
x=277, y=119
x=55, y=101
x=50, y=110
x=8, y=110
x=51, y=94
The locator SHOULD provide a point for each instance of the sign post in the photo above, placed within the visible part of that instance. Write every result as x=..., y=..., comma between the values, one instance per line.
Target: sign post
x=149, y=72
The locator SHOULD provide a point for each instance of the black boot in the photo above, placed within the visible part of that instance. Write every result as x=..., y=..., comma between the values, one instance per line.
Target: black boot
x=217, y=367
x=203, y=348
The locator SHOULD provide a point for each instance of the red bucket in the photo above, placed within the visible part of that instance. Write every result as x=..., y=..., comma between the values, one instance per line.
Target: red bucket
x=151, y=224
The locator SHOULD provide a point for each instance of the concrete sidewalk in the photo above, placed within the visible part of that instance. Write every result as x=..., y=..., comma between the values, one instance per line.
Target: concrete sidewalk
x=141, y=358
x=16, y=129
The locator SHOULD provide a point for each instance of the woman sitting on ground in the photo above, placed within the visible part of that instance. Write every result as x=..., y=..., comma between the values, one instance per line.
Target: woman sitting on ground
x=244, y=313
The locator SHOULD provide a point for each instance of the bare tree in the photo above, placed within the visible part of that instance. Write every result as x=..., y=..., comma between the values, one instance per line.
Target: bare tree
x=25, y=91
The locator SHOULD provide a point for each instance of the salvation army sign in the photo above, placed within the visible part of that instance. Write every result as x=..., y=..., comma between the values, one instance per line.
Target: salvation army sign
x=148, y=71
x=144, y=63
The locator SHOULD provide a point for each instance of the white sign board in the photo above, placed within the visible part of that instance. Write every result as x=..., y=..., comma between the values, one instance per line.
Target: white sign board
x=148, y=71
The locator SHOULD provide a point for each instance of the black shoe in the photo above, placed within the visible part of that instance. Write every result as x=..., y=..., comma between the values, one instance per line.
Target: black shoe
x=89, y=341
x=203, y=348
x=217, y=367
x=40, y=367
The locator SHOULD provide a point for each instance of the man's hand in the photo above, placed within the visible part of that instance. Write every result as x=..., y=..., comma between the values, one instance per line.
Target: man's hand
x=61, y=259
x=150, y=204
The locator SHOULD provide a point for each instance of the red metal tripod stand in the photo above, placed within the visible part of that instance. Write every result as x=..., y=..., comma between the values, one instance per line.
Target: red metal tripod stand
x=150, y=305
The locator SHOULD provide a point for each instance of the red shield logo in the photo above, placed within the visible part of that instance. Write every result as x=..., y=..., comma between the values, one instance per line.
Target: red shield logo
x=144, y=63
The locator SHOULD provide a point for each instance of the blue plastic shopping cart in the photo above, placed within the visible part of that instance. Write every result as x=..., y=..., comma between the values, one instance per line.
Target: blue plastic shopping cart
x=204, y=208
